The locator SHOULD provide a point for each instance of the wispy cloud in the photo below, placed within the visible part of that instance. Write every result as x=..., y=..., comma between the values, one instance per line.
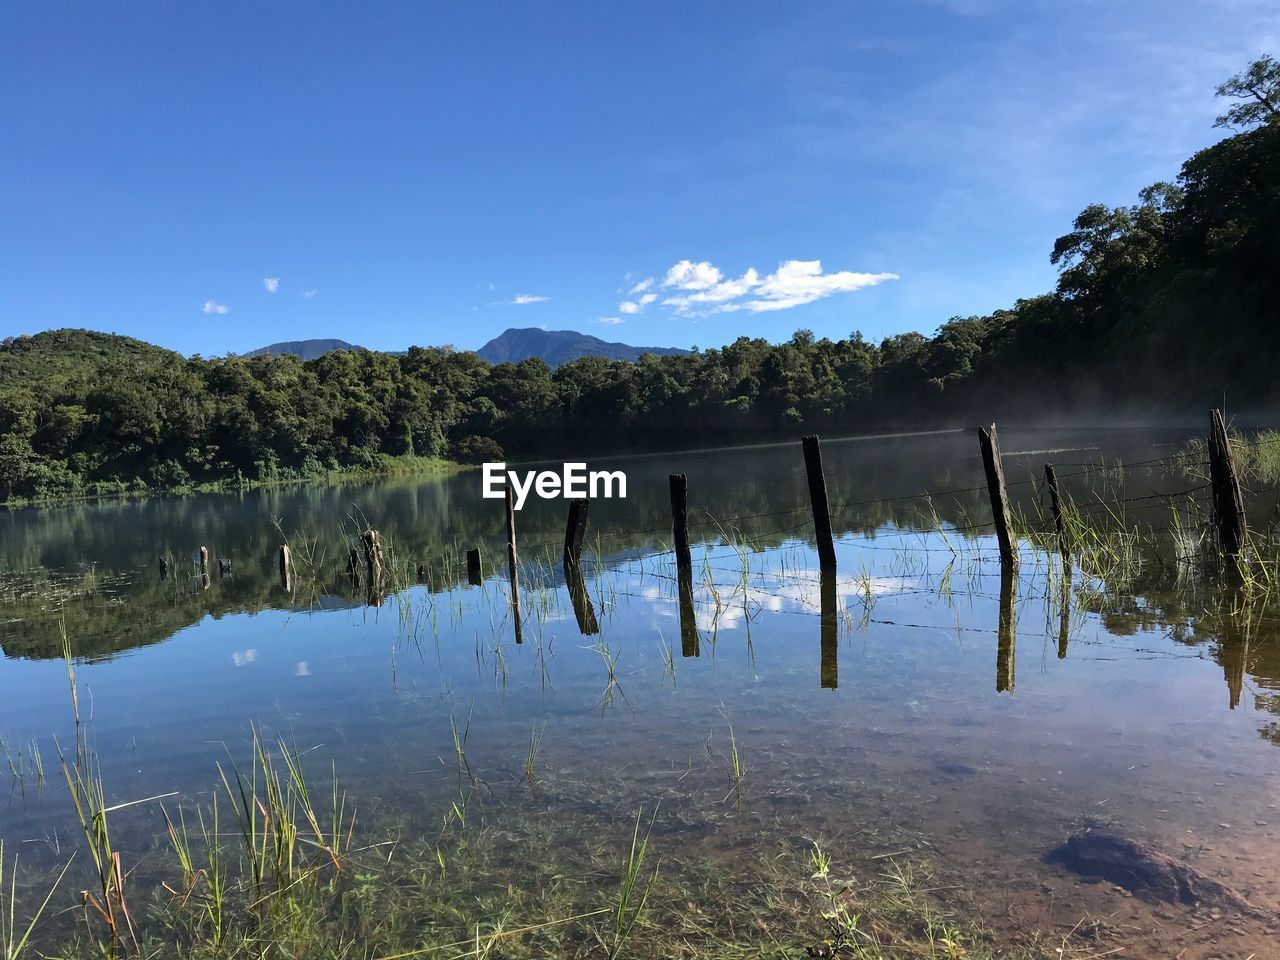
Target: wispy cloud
x=697, y=289
x=308, y=294
x=641, y=286
x=271, y=284
x=213, y=306
x=611, y=321
x=528, y=298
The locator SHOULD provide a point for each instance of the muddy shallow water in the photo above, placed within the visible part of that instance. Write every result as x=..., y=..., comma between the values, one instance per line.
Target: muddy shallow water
x=903, y=723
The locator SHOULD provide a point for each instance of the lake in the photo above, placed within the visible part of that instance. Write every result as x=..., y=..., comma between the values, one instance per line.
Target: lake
x=892, y=720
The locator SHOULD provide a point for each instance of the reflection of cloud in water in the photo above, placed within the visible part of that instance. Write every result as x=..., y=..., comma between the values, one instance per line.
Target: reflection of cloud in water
x=303, y=670
x=241, y=657
x=797, y=590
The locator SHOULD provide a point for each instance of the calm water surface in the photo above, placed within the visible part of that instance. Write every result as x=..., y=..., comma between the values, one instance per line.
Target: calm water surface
x=892, y=714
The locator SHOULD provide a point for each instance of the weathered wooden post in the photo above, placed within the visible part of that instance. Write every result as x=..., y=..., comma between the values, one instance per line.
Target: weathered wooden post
x=583, y=609
x=372, y=555
x=1064, y=613
x=1228, y=502
x=286, y=568
x=1055, y=499
x=473, y=567
x=678, y=484
x=204, y=561
x=513, y=562
x=1007, y=628
x=689, y=644
x=818, y=499
x=989, y=442
x=829, y=675
x=575, y=530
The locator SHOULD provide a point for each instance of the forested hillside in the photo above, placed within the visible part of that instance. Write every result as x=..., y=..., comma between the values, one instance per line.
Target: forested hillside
x=1164, y=306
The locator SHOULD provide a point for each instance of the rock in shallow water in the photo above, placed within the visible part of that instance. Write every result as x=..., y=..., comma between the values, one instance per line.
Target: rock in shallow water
x=1143, y=870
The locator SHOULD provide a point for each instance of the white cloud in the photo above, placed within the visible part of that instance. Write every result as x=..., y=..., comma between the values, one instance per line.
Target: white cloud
x=632, y=307
x=701, y=288
x=213, y=306
x=611, y=321
x=641, y=287
x=529, y=298
x=308, y=294
x=271, y=284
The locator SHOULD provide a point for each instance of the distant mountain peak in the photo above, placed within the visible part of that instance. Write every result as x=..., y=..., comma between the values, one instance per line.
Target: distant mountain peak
x=303, y=349
x=558, y=347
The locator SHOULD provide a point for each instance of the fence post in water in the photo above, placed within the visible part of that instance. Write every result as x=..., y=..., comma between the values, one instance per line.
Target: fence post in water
x=473, y=566
x=1007, y=628
x=679, y=486
x=204, y=561
x=372, y=555
x=1228, y=503
x=818, y=498
x=989, y=441
x=1055, y=498
x=574, y=532
x=829, y=675
x=513, y=561
x=286, y=568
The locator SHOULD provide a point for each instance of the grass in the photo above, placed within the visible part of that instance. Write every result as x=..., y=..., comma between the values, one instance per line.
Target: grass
x=14, y=937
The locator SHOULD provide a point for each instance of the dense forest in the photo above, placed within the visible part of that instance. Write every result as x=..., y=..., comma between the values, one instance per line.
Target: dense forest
x=1161, y=307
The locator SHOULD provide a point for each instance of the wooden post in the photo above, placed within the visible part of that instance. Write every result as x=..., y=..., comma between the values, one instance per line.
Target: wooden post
x=1064, y=614
x=513, y=561
x=372, y=555
x=583, y=609
x=473, y=567
x=829, y=676
x=286, y=568
x=989, y=442
x=818, y=498
x=575, y=530
x=1228, y=502
x=204, y=561
x=164, y=568
x=689, y=643
x=1007, y=629
x=1055, y=498
x=678, y=484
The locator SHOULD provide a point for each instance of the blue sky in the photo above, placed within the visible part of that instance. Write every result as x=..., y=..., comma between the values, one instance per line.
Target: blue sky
x=214, y=177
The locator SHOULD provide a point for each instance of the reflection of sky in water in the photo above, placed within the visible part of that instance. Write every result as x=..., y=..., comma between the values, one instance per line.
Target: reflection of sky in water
x=1132, y=725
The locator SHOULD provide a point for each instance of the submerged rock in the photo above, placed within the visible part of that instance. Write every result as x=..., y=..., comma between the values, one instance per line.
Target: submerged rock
x=1144, y=870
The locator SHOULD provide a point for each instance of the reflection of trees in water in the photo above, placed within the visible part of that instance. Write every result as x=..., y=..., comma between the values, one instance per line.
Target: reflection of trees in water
x=112, y=598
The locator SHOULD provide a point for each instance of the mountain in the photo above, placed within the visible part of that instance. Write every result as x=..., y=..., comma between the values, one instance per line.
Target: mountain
x=560, y=346
x=303, y=349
